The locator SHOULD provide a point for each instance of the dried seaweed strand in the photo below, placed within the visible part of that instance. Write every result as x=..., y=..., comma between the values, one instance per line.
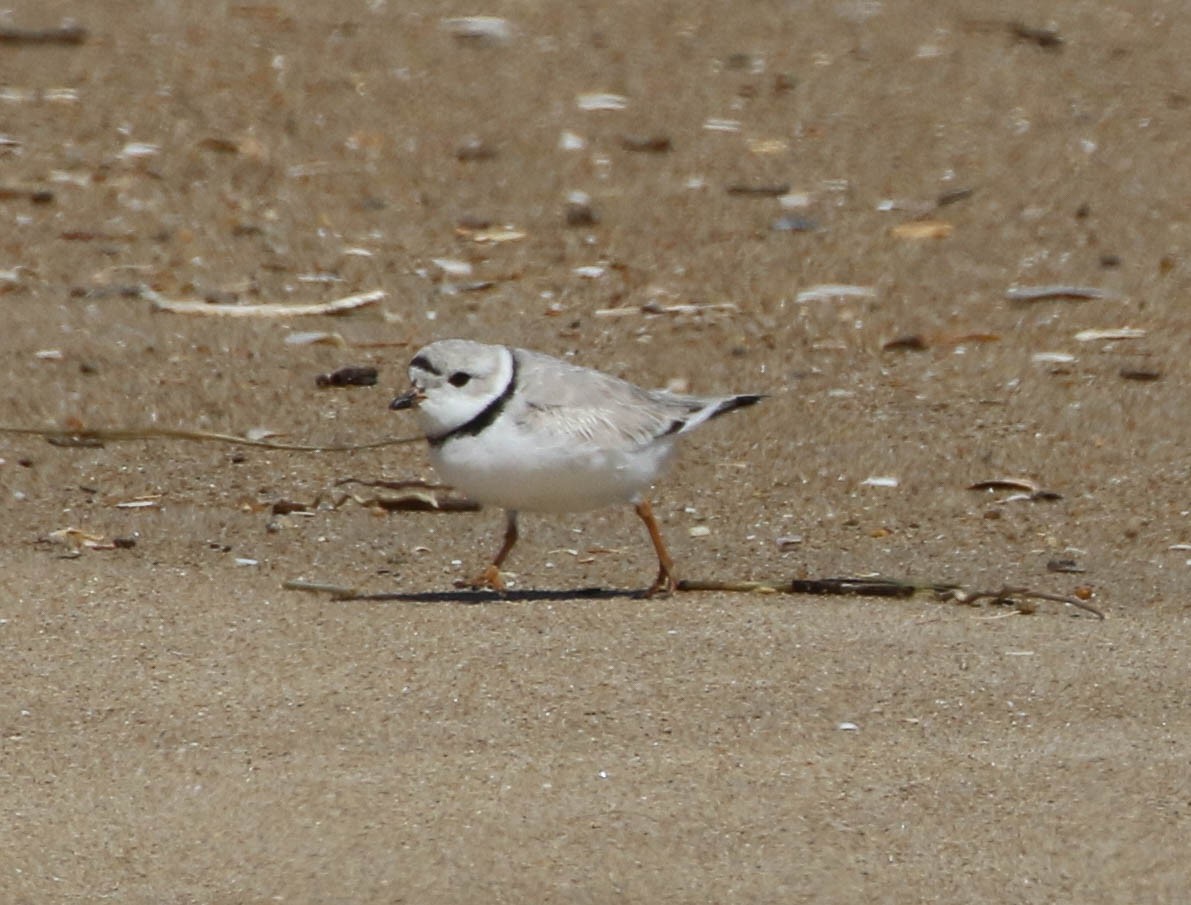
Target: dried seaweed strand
x=885, y=587
x=1008, y=594
x=88, y=436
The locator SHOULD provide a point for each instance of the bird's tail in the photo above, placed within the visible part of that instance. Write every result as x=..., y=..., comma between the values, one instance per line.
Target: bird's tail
x=717, y=407
x=736, y=402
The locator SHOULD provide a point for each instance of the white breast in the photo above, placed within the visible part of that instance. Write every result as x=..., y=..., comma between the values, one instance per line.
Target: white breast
x=507, y=467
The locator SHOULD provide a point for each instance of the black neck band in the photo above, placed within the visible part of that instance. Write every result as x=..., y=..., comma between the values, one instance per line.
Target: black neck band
x=488, y=414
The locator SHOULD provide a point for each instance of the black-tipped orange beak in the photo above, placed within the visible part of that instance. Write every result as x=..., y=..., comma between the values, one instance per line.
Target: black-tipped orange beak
x=408, y=400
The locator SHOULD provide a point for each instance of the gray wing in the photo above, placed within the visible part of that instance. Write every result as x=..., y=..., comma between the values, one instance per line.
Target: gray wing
x=579, y=405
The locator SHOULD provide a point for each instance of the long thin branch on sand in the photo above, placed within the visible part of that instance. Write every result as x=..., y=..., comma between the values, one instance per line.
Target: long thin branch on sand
x=887, y=587
x=99, y=436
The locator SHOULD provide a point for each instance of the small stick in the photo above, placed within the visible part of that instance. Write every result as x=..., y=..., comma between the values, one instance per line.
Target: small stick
x=884, y=587
x=88, y=437
x=274, y=309
x=1040, y=293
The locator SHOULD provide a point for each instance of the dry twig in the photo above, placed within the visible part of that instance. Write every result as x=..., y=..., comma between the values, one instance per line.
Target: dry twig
x=98, y=436
x=887, y=587
x=271, y=309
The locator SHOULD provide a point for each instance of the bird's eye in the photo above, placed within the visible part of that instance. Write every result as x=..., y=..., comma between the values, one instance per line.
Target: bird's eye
x=459, y=379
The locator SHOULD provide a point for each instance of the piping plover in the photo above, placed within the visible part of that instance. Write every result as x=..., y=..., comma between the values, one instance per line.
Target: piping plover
x=528, y=432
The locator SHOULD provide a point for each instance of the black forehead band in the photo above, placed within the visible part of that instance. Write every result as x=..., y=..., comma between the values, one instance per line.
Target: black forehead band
x=421, y=361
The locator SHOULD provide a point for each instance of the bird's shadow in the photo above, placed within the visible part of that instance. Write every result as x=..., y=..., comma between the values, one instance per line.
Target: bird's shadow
x=476, y=596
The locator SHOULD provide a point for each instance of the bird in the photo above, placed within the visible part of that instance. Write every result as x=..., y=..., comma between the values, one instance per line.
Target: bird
x=528, y=432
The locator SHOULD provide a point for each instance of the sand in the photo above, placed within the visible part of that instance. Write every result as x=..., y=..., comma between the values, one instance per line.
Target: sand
x=178, y=727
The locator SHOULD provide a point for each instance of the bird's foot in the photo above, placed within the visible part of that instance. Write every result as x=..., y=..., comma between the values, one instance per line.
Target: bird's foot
x=488, y=580
x=664, y=585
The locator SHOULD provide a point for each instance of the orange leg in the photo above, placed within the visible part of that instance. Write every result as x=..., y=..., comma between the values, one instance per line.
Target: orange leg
x=490, y=577
x=666, y=581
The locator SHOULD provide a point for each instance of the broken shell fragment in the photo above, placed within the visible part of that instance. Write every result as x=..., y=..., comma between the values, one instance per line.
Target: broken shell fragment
x=767, y=146
x=1052, y=358
x=1028, y=490
x=148, y=501
x=1024, y=484
x=825, y=292
x=315, y=338
x=721, y=125
x=1058, y=291
x=453, y=267
x=601, y=101
x=923, y=229
x=790, y=223
x=1091, y=336
x=480, y=29
x=569, y=141
x=495, y=235
x=139, y=149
